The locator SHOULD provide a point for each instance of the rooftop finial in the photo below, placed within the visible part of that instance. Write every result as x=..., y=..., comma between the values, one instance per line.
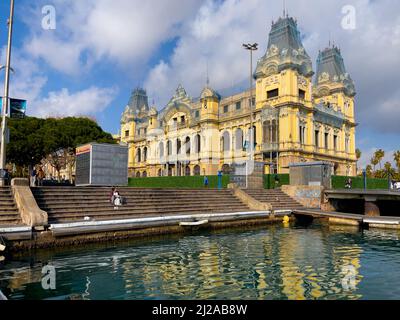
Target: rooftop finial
x=208, y=78
x=284, y=8
x=329, y=45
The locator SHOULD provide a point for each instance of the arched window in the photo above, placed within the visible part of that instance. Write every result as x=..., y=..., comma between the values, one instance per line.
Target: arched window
x=178, y=146
x=266, y=132
x=270, y=132
x=139, y=155
x=145, y=154
x=198, y=143
x=196, y=170
x=161, y=149
x=138, y=174
x=187, y=146
x=254, y=134
x=239, y=139
x=169, y=148
x=226, y=141
x=274, y=135
x=187, y=171
x=144, y=175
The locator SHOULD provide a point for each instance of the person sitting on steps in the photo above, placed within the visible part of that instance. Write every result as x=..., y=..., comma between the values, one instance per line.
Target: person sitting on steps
x=117, y=199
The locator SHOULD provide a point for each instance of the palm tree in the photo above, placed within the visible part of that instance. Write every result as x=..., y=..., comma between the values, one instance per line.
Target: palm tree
x=358, y=155
x=374, y=161
x=369, y=171
x=396, y=156
x=380, y=154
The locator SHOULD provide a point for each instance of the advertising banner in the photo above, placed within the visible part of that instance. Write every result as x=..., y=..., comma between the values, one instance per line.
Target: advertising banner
x=17, y=108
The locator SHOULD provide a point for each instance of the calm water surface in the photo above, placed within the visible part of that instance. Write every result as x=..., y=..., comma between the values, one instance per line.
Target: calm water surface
x=273, y=262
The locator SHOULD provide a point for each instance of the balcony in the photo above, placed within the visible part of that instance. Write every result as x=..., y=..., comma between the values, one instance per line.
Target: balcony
x=268, y=147
x=178, y=126
x=140, y=137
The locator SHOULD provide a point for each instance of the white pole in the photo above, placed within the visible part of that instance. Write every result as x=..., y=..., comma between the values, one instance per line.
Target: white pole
x=6, y=98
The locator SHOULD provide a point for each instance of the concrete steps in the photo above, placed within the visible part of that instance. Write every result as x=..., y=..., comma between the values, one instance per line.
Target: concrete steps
x=69, y=204
x=9, y=214
x=276, y=197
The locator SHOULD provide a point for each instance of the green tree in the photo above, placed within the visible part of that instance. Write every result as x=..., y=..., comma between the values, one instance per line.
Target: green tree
x=379, y=155
x=33, y=139
x=26, y=145
x=374, y=162
x=396, y=157
x=387, y=171
x=369, y=171
x=358, y=155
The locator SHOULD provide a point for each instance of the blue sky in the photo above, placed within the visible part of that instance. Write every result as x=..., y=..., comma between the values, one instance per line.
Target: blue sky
x=102, y=49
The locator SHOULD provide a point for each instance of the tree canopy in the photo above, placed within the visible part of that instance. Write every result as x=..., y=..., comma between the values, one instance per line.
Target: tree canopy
x=32, y=139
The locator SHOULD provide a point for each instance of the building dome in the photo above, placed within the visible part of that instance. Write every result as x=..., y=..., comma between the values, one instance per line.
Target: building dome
x=153, y=112
x=208, y=93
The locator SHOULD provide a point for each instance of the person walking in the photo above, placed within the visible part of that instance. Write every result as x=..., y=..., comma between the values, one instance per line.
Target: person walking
x=276, y=181
x=33, y=177
x=7, y=177
x=205, y=182
x=40, y=177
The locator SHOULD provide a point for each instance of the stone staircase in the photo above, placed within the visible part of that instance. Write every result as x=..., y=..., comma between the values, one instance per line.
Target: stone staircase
x=69, y=204
x=9, y=214
x=276, y=197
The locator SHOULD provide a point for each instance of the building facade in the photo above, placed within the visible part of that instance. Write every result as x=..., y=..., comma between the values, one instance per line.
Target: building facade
x=298, y=116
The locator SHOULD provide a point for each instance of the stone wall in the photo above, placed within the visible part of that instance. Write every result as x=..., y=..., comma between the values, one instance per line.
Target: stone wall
x=248, y=200
x=31, y=214
x=309, y=196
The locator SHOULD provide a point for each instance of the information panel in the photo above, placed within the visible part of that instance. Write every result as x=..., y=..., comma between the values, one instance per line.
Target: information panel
x=83, y=165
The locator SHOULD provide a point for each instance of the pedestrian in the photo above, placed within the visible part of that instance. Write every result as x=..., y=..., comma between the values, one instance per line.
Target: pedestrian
x=205, y=181
x=117, y=199
x=40, y=177
x=7, y=177
x=349, y=183
x=277, y=181
x=33, y=177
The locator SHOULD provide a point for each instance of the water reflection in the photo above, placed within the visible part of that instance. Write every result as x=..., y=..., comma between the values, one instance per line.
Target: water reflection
x=269, y=263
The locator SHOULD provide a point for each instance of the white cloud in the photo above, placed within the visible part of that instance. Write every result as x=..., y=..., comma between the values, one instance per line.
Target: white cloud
x=126, y=32
x=217, y=31
x=81, y=103
x=28, y=82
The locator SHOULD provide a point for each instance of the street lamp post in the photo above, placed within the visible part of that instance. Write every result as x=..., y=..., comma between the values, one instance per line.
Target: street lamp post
x=251, y=48
x=6, y=97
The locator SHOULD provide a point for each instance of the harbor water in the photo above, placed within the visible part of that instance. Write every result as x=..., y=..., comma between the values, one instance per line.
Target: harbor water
x=272, y=262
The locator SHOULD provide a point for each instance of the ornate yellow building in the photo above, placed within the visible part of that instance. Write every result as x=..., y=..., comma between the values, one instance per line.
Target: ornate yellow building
x=296, y=119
